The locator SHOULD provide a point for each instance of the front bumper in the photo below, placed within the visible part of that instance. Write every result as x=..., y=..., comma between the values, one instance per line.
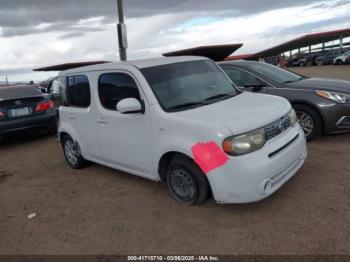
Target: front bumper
x=254, y=176
x=336, y=118
x=37, y=122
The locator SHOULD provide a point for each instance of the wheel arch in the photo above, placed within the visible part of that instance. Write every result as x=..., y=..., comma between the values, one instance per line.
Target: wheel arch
x=165, y=160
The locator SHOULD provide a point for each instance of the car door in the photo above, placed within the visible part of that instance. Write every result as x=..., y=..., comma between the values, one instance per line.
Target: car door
x=245, y=80
x=125, y=139
x=77, y=112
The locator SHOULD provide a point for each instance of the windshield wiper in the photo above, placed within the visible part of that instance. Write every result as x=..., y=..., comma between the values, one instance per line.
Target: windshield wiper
x=185, y=105
x=225, y=96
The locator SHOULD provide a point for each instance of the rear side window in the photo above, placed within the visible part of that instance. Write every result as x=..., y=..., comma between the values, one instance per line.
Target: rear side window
x=113, y=87
x=78, y=91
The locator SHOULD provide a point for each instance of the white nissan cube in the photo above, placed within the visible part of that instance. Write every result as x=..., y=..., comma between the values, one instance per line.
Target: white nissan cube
x=181, y=121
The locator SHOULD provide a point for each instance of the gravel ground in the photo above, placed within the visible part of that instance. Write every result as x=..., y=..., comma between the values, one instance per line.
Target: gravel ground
x=99, y=210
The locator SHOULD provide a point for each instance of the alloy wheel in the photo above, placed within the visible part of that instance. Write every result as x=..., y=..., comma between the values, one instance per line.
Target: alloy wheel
x=71, y=152
x=306, y=122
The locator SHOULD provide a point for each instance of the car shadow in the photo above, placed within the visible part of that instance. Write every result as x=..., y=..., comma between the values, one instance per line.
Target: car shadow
x=21, y=138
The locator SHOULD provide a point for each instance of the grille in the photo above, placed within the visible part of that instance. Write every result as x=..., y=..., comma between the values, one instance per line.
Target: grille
x=277, y=127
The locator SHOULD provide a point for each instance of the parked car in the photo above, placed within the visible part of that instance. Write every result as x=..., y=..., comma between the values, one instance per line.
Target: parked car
x=25, y=108
x=342, y=59
x=322, y=105
x=326, y=58
x=180, y=120
x=54, y=92
x=302, y=60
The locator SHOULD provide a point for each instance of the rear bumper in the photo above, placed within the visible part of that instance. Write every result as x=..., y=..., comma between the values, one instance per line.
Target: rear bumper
x=46, y=120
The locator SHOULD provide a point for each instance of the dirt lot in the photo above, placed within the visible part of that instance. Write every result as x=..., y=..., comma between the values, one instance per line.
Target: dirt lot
x=331, y=71
x=98, y=210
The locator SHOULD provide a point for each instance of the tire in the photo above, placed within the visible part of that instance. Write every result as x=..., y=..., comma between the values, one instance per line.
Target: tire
x=74, y=157
x=301, y=64
x=310, y=120
x=319, y=62
x=52, y=131
x=182, y=170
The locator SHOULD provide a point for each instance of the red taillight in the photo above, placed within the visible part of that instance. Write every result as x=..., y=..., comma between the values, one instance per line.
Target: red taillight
x=2, y=115
x=43, y=106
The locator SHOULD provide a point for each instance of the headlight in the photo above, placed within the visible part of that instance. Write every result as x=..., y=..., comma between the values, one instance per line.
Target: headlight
x=293, y=118
x=246, y=143
x=336, y=97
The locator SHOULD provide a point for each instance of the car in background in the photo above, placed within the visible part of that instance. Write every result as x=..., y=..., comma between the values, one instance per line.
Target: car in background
x=53, y=90
x=25, y=108
x=342, y=59
x=326, y=58
x=322, y=105
x=301, y=60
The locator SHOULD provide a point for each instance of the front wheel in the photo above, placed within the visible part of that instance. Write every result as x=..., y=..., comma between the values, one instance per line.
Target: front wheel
x=309, y=120
x=186, y=182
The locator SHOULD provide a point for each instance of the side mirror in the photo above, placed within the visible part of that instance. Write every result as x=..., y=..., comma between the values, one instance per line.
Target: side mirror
x=129, y=106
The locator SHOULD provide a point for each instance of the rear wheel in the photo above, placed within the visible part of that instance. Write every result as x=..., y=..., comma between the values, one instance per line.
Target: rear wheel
x=72, y=153
x=309, y=120
x=186, y=182
x=319, y=62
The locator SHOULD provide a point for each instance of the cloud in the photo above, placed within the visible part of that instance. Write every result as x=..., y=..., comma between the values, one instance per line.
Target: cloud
x=17, y=17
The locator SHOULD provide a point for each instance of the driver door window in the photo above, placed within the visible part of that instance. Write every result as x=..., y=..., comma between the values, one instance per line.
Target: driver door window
x=113, y=87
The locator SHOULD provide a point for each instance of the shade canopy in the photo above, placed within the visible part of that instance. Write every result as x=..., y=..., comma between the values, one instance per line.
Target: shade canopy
x=214, y=52
x=66, y=66
x=303, y=41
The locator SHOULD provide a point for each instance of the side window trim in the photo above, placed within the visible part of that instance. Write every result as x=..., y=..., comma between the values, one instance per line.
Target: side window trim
x=137, y=84
x=238, y=68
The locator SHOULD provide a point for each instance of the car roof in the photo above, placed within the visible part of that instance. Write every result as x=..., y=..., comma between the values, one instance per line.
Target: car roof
x=15, y=92
x=144, y=63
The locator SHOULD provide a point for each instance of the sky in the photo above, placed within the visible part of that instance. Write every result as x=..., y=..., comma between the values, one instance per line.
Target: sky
x=35, y=33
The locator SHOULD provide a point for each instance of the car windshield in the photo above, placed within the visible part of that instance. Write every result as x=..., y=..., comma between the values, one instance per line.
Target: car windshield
x=275, y=73
x=186, y=85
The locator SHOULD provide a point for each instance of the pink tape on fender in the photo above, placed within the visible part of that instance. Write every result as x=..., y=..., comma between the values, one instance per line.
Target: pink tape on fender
x=208, y=156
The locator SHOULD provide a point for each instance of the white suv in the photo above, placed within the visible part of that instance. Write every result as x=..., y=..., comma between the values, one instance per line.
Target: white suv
x=181, y=121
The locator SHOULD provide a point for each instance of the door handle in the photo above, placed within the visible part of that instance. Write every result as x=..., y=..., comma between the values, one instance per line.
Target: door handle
x=102, y=121
x=71, y=117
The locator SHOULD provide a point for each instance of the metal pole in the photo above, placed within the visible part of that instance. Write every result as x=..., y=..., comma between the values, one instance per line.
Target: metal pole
x=7, y=81
x=341, y=44
x=122, y=38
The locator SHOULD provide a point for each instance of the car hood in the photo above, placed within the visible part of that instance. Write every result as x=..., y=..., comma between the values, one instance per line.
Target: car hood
x=242, y=113
x=321, y=84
